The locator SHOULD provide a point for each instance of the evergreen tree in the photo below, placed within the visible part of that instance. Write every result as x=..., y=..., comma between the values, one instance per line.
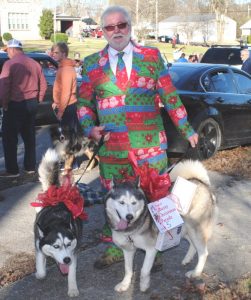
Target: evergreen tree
x=46, y=24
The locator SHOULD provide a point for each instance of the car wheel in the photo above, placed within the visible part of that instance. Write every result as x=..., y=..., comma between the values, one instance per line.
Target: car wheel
x=209, y=140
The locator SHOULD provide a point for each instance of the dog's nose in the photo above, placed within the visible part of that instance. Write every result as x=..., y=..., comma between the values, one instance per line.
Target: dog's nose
x=129, y=217
x=67, y=260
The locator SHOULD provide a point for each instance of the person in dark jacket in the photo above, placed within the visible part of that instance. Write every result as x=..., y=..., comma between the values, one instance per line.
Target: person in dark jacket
x=246, y=66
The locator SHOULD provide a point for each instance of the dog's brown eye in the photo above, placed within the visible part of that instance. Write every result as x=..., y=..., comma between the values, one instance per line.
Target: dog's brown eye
x=122, y=202
x=56, y=246
x=134, y=203
x=68, y=245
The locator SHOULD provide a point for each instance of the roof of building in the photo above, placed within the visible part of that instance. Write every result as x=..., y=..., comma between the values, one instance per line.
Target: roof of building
x=191, y=18
x=247, y=25
x=64, y=17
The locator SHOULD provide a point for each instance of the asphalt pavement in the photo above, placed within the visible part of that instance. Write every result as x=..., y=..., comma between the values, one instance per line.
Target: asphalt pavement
x=229, y=249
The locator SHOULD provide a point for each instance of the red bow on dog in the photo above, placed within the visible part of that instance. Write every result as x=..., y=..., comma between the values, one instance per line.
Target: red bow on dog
x=68, y=194
x=154, y=185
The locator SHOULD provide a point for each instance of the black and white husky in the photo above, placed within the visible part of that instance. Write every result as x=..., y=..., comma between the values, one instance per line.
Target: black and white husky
x=132, y=226
x=57, y=233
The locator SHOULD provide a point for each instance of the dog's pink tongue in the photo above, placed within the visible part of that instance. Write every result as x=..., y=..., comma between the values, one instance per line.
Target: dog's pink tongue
x=122, y=224
x=64, y=268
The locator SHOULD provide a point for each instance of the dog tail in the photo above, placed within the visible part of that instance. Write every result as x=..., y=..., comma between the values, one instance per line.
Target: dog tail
x=48, y=169
x=189, y=169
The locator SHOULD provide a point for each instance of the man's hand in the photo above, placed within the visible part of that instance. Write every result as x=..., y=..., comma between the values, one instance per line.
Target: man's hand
x=193, y=140
x=97, y=132
x=59, y=115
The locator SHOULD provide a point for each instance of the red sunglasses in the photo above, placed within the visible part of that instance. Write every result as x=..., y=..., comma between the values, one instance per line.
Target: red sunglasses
x=112, y=27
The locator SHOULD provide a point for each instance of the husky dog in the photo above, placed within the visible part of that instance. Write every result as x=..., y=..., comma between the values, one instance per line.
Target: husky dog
x=57, y=233
x=70, y=143
x=132, y=226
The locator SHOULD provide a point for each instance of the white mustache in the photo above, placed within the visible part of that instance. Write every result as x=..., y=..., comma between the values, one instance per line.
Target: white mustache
x=118, y=35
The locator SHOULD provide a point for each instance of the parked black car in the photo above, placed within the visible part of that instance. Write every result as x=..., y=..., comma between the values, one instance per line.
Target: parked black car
x=229, y=55
x=165, y=39
x=45, y=113
x=218, y=102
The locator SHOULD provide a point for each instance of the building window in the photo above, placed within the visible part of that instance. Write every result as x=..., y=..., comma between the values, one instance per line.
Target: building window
x=18, y=21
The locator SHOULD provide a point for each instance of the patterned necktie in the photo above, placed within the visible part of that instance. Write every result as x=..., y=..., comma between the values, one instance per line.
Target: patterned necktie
x=121, y=73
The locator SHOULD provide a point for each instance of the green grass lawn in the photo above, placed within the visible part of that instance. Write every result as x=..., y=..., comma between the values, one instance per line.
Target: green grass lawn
x=91, y=45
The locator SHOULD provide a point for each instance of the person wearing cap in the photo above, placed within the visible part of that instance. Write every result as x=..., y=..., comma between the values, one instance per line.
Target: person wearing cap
x=78, y=65
x=119, y=98
x=22, y=86
x=65, y=87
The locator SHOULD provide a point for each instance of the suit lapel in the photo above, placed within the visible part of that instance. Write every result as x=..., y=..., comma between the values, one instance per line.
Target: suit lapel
x=106, y=67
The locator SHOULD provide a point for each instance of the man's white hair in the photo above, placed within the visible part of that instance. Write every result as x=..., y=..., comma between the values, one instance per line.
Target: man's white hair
x=245, y=51
x=116, y=9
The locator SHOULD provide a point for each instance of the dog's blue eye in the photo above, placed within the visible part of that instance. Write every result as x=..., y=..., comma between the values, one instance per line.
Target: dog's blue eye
x=56, y=246
x=134, y=203
x=68, y=245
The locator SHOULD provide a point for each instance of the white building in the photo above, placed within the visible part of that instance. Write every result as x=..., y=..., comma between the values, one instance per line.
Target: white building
x=199, y=28
x=21, y=18
x=69, y=25
x=246, y=28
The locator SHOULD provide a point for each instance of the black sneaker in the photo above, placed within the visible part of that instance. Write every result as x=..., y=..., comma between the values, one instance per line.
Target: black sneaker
x=5, y=174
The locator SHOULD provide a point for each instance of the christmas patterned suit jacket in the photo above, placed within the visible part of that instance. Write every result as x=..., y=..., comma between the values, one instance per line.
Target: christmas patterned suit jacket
x=130, y=110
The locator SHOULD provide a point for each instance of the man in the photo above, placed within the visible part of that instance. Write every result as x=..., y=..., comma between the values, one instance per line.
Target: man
x=246, y=66
x=65, y=87
x=182, y=58
x=22, y=86
x=119, y=97
x=177, y=53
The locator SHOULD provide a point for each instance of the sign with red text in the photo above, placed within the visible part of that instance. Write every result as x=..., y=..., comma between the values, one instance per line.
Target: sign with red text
x=168, y=239
x=165, y=214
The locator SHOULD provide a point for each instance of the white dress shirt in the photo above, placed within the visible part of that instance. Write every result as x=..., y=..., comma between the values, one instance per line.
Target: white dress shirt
x=127, y=58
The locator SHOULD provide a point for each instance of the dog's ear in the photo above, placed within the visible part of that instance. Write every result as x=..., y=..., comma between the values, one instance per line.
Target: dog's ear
x=114, y=183
x=40, y=231
x=137, y=182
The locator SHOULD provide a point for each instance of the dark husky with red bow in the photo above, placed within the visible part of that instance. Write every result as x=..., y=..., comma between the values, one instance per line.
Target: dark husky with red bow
x=58, y=225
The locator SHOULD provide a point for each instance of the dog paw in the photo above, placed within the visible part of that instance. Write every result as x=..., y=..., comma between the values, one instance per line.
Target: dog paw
x=73, y=293
x=192, y=274
x=40, y=275
x=185, y=261
x=144, y=283
x=121, y=287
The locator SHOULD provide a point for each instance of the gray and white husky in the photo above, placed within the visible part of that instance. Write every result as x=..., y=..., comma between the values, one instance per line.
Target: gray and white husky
x=57, y=233
x=132, y=226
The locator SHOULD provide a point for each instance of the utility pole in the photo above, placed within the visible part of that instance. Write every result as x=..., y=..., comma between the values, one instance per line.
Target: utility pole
x=55, y=22
x=156, y=19
x=137, y=18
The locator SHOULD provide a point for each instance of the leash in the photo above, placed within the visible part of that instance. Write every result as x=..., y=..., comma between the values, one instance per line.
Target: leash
x=100, y=144
x=179, y=160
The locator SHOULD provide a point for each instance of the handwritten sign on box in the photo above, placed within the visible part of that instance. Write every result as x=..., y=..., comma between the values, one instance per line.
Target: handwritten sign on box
x=168, y=239
x=165, y=214
x=184, y=190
